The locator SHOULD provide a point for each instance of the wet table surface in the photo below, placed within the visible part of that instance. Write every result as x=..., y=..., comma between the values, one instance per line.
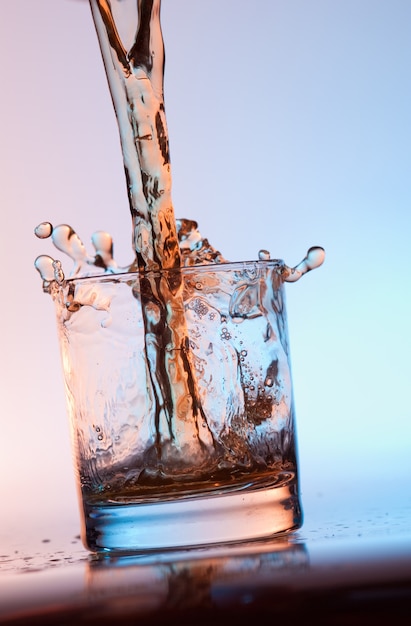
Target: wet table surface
x=350, y=563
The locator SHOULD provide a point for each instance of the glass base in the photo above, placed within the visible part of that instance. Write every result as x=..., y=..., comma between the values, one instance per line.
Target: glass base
x=257, y=512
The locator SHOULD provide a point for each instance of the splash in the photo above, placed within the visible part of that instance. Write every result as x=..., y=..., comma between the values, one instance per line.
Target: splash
x=195, y=250
x=176, y=315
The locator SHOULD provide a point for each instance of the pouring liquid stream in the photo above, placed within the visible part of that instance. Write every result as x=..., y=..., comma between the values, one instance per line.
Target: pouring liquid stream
x=162, y=244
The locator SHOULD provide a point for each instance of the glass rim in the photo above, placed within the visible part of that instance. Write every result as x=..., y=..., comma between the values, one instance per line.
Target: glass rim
x=201, y=268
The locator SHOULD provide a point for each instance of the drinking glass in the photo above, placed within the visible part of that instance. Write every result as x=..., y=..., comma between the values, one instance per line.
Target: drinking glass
x=227, y=470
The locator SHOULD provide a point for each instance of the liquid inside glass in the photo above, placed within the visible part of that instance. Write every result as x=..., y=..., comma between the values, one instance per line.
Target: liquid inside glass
x=240, y=438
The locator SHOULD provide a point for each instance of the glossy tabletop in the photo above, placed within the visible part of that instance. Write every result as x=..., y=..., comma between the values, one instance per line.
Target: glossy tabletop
x=350, y=563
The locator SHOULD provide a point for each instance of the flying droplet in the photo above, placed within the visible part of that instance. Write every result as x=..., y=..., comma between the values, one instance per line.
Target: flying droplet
x=43, y=230
x=44, y=266
x=58, y=272
x=66, y=240
x=103, y=244
x=313, y=259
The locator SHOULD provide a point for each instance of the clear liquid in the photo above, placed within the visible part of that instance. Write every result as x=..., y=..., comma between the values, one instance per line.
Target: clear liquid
x=189, y=442
x=236, y=325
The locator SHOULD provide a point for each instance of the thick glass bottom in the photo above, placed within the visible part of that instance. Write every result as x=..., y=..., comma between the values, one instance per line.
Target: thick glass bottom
x=254, y=512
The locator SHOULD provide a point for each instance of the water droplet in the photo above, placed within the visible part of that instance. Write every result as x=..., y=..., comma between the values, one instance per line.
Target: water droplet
x=268, y=382
x=67, y=241
x=244, y=352
x=43, y=230
x=313, y=259
x=58, y=272
x=44, y=266
x=103, y=244
x=264, y=255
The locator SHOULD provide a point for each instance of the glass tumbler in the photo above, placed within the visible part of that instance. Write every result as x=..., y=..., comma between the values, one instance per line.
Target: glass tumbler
x=227, y=472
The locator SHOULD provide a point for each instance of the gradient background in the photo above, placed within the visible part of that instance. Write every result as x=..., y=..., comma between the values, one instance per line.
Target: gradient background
x=290, y=126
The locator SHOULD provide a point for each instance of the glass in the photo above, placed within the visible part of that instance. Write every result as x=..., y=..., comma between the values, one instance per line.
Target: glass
x=227, y=474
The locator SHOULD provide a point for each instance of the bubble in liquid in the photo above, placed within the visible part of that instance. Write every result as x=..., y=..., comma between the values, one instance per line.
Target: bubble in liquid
x=43, y=230
x=225, y=334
